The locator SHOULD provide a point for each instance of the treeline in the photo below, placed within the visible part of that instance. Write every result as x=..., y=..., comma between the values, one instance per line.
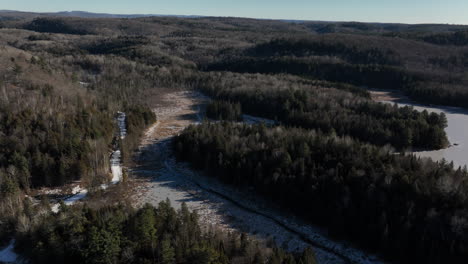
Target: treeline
x=55, y=25
x=120, y=45
x=303, y=47
x=440, y=93
x=458, y=38
x=330, y=111
x=139, y=117
x=224, y=110
x=408, y=209
x=148, y=235
x=372, y=75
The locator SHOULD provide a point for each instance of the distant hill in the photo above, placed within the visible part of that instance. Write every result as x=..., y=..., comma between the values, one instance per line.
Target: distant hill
x=319, y=26
x=82, y=14
x=433, y=33
x=85, y=14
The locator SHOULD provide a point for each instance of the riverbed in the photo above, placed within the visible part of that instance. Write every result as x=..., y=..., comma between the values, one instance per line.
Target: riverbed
x=457, y=127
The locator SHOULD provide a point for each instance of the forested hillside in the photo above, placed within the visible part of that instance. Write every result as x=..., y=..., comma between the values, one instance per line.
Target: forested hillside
x=370, y=61
x=316, y=105
x=54, y=129
x=409, y=209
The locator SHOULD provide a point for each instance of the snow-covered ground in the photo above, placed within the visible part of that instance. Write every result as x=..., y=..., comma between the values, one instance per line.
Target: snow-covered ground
x=7, y=255
x=116, y=156
x=78, y=194
x=116, y=166
x=217, y=204
x=121, y=122
x=257, y=120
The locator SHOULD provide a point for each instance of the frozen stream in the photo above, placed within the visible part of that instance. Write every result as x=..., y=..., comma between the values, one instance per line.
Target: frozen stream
x=79, y=193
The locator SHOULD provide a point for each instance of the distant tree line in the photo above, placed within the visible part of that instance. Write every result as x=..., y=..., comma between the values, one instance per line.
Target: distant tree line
x=55, y=25
x=119, y=45
x=458, y=38
x=373, y=75
x=303, y=47
x=409, y=209
x=337, y=62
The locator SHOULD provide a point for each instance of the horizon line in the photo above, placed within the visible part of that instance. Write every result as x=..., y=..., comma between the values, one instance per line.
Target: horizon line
x=220, y=16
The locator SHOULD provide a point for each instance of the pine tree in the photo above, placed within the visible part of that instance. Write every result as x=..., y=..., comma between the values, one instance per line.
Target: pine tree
x=167, y=251
x=103, y=246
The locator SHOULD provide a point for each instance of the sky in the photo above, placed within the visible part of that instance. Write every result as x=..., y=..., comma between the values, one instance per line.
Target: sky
x=399, y=11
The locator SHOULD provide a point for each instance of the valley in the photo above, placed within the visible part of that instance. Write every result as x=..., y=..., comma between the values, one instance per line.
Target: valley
x=218, y=205
x=167, y=139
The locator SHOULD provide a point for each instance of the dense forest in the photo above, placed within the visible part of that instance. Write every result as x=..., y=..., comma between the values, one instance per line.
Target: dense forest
x=224, y=110
x=407, y=208
x=148, y=235
x=306, y=48
x=457, y=38
x=330, y=58
x=49, y=137
x=55, y=135
x=307, y=104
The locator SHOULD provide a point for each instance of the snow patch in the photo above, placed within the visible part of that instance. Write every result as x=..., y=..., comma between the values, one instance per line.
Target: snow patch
x=78, y=194
x=257, y=120
x=116, y=167
x=121, y=122
x=8, y=255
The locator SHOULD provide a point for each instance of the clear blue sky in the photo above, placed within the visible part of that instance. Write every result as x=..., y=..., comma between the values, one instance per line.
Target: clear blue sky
x=404, y=11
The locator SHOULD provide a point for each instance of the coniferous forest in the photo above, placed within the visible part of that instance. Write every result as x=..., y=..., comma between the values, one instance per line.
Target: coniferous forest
x=148, y=235
x=313, y=105
x=409, y=209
